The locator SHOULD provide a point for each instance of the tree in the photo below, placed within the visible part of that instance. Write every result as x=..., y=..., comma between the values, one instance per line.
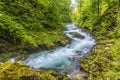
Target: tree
x=31, y=21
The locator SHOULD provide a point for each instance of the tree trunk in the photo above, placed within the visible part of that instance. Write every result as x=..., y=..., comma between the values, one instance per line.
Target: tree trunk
x=98, y=8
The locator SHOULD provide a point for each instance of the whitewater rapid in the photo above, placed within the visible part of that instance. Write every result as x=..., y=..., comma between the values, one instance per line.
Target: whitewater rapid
x=64, y=58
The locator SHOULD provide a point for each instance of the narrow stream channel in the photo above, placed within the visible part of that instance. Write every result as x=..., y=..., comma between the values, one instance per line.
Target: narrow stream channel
x=64, y=58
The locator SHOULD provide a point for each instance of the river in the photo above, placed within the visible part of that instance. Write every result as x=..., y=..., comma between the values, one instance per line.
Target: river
x=64, y=58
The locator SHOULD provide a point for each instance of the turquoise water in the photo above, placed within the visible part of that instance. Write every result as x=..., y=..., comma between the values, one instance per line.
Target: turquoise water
x=64, y=58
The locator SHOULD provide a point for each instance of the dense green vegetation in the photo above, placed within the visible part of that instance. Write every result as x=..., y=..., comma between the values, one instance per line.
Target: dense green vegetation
x=102, y=18
x=33, y=23
x=38, y=23
x=26, y=25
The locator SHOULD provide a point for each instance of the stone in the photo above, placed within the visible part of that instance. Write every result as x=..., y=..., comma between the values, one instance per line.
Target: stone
x=1, y=63
x=75, y=34
x=79, y=52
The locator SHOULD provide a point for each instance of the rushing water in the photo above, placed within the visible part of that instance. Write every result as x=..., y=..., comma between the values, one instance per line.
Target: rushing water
x=64, y=58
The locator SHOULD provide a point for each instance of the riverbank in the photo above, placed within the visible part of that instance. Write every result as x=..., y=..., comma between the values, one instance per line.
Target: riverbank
x=104, y=60
x=27, y=26
x=62, y=59
x=20, y=53
x=18, y=71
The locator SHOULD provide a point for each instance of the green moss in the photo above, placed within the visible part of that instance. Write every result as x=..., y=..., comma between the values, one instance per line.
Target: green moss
x=18, y=71
x=104, y=60
x=103, y=64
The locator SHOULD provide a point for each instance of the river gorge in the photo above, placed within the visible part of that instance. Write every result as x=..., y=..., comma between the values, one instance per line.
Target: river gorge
x=64, y=59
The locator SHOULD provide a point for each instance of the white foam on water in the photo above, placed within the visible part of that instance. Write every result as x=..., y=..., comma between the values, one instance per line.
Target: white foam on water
x=64, y=58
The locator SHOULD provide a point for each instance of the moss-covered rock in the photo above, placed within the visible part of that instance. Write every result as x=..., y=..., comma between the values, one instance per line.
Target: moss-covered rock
x=104, y=60
x=75, y=34
x=18, y=71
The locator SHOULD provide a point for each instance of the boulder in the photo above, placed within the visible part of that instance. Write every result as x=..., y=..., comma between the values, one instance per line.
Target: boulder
x=79, y=53
x=75, y=34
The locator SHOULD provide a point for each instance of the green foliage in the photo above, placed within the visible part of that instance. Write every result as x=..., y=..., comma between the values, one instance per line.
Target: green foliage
x=15, y=30
x=104, y=59
x=27, y=22
x=102, y=17
x=92, y=15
